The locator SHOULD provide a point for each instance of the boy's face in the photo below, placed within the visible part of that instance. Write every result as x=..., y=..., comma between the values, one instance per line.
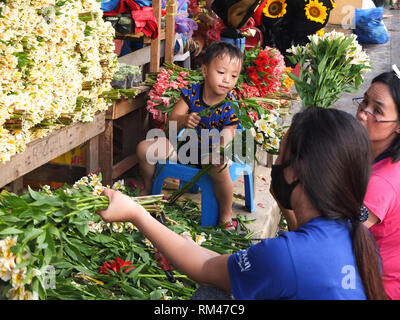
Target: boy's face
x=221, y=74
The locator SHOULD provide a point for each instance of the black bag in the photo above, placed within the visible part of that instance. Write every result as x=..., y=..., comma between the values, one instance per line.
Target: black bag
x=122, y=23
x=235, y=13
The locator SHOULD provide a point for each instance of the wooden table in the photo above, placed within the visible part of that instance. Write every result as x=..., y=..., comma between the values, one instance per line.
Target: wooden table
x=134, y=131
x=43, y=150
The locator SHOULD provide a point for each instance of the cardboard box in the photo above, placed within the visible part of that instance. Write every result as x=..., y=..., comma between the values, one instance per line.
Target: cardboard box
x=343, y=14
x=76, y=157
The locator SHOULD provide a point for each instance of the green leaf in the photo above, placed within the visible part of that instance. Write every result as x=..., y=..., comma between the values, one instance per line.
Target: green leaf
x=10, y=231
x=54, y=231
x=102, y=238
x=157, y=294
x=322, y=65
x=34, y=194
x=83, y=228
x=49, y=240
x=143, y=254
x=32, y=234
x=135, y=293
x=133, y=274
x=49, y=201
x=23, y=59
x=14, y=202
x=74, y=253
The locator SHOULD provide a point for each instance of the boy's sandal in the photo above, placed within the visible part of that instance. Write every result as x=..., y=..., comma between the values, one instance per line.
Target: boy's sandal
x=233, y=224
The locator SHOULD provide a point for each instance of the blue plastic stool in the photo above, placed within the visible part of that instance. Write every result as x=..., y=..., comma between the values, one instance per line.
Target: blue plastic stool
x=239, y=42
x=209, y=204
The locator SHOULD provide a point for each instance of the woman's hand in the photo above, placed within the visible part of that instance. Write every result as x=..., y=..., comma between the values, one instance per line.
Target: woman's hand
x=121, y=208
x=192, y=120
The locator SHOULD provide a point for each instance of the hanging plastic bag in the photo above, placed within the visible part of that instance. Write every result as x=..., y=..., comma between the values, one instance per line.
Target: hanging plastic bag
x=370, y=27
x=108, y=5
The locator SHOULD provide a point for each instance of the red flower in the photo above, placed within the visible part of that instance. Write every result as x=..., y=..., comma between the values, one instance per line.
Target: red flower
x=116, y=266
x=265, y=71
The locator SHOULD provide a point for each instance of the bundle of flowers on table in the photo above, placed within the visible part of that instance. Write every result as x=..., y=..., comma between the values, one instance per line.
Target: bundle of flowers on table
x=53, y=245
x=166, y=87
x=330, y=64
x=56, y=58
x=264, y=85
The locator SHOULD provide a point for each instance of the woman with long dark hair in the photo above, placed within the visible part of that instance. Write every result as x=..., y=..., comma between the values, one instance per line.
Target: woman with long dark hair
x=379, y=112
x=322, y=174
x=327, y=155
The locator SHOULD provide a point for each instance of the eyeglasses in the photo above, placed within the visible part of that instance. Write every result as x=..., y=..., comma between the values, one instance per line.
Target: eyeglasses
x=360, y=103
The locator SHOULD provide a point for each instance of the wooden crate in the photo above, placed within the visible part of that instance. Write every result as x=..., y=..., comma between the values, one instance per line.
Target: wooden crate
x=126, y=124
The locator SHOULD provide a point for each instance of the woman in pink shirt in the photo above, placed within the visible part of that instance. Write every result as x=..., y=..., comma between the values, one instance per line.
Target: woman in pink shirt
x=379, y=112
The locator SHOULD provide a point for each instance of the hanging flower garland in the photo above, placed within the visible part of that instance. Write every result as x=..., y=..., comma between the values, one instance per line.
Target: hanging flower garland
x=275, y=8
x=316, y=11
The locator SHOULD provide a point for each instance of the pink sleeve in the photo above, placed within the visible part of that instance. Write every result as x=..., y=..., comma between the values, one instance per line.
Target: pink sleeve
x=380, y=196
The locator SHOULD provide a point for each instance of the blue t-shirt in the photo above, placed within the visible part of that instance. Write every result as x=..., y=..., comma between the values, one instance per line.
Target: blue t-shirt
x=223, y=115
x=313, y=262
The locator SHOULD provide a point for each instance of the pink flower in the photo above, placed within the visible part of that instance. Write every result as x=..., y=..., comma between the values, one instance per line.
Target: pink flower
x=164, y=75
x=153, y=95
x=165, y=101
x=253, y=115
x=173, y=85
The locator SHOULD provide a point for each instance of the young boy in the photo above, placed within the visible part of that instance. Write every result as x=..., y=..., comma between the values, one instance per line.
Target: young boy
x=221, y=69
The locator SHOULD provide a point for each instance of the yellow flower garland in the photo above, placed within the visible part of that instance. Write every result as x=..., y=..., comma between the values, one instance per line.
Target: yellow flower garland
x=316, y=11
x=333, y=4
x=275, y=8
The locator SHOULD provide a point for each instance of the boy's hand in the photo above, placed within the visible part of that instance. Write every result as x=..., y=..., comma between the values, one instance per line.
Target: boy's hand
x=192, y=120
x=121, y=208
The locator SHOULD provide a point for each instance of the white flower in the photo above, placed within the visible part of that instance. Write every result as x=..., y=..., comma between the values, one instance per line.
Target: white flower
x=5, y=269
x=200, y=238
x=259, y=137
x=98, y=189
x=186, y=234
x=19, y=293
x=295, y=50
x=261, y=124
x=96, y=227
x=129, y=226
x=118, y=185
x=148, y=243
x=17, y=277
x=270, y=132
x=41, y=73
x=334, y=35
x=314, y=38
x=117, y=227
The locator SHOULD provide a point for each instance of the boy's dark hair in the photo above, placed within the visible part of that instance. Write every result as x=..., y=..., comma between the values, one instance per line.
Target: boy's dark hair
x=220, y=48
x=393, y=82
x=330, y=152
